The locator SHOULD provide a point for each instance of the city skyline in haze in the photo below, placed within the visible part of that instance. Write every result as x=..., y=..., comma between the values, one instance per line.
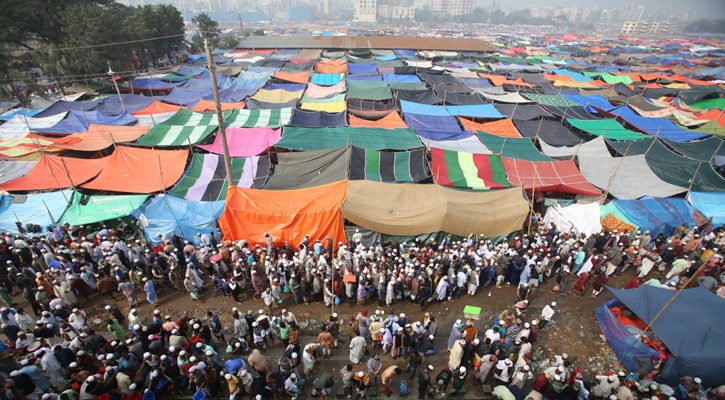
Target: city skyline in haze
x=705, y=9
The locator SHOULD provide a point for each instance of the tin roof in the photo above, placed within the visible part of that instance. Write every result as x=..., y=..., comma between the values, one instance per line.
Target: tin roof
x=365, y=42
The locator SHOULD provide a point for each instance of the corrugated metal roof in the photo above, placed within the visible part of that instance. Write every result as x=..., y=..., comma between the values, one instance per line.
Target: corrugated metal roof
x=365, y=42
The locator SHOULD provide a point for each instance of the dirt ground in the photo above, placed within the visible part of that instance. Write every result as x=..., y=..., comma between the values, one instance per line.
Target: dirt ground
x=574, y=329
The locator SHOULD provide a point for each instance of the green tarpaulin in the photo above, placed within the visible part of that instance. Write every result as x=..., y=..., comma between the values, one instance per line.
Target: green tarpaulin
x=708, y=104
x=550, y=100
x=608, y=128
x=518, y=148
x=300, y=170
x=388, y=166
x=84, y=209
x=334, y=99
x=701, y=150
x=183, y=128
x=307, y=139
x=368, y=90
x=274, y=118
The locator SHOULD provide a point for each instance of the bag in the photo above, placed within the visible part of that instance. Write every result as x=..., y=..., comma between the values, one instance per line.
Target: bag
x=337, y=301
x=367, y=352
x=286, y=289
x=403, y=387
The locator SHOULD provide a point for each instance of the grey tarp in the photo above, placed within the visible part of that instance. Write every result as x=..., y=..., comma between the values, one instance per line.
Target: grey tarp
x=553, y=132
x=422, y=98
x=701, y=150
x=10, y=170
x=299, y=170
x=263, y=105
x=564, y=152
x=397, y=209
x=633, y=178
x=522, y=111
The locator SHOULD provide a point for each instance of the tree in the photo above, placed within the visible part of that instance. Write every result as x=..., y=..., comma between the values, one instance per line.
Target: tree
x=153, y=22
x=52, y=64
x=17, y=84
x=207, y=27
x=258, y=32
x=230, y=42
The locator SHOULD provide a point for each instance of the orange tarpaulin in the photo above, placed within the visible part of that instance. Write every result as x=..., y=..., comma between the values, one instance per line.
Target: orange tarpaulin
x=99, y=137
x=287, y=215
x=157, y=107
x=503, y=127
x=205, y=105
x=55, y=172
x=331, y=69
x=296, y=77
x=137, y=170
x=337, y=61
x=390, y=121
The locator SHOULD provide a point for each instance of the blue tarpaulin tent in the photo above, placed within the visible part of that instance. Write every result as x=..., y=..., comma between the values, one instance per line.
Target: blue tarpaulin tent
x=132, y=102
x=171, y=214
x=657, y=215
x=711, y=204
x=33, y=210
x=78, y=121
x=691, y=327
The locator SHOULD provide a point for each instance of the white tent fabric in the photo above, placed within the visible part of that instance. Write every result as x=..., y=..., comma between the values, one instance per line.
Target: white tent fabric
x=583, y=218
x=506, y=98
x=633, y=180
x=553, y=151
x=153, y=119
x=19, y=125
x=470, y=144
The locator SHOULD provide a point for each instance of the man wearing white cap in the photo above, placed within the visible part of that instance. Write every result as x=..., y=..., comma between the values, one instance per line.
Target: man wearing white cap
x=546, y=314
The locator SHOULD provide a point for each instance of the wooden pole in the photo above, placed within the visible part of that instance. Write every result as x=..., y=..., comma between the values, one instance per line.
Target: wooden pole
x=533, y=197
x=653, y=142
x=692, y=182
x=220, y=115
x=577, y=149
x=611, y=179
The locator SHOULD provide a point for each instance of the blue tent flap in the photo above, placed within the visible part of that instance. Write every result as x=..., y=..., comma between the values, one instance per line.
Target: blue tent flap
x=33, y=210
x=657, y=215
x=171, y=214
x=624, y=344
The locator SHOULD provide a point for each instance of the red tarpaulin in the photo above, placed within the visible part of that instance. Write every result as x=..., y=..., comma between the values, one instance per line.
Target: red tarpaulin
x=55, y=172
x=548, y=176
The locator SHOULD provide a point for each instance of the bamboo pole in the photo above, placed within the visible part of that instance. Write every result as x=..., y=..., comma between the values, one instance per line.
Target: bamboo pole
x=611, y=179
x=692, y=182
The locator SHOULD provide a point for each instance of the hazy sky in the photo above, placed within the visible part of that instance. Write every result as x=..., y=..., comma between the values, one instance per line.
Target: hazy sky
x=710, y=9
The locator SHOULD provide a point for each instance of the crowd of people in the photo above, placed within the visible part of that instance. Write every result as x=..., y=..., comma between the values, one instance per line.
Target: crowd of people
x=57, y=353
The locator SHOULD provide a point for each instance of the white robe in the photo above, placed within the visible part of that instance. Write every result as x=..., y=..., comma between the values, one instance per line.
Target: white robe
x=357, y=349
x=442, y=289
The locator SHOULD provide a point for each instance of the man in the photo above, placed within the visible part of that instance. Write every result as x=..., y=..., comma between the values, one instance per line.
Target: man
x=424, y=381
x=387, y=378
x=357, y=349
x=458, y=381
x=546, y=314
x=322, y=386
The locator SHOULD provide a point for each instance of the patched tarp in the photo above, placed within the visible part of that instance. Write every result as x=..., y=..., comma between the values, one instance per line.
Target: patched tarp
x=84, y=209
x=318, y=119
x=553, y=132
x=183, y=129
x=387, y=166
x=548, y=176
x=287, y=216
x=206, y=178
x=56, y=172
x=99, y=137
x=467, y=170
x=138, y=170
x=519, y=148
x=626, y=178
x=503, y=127
x=657, y=215
x=78, y=121
x=10, y=170
x=711, y=204
x=390, y=121
x=307, y=139
x=42, y=209
x=415, y=209
x=169, y=214
x=608, y=128
x=299, y=170
x=259, y=118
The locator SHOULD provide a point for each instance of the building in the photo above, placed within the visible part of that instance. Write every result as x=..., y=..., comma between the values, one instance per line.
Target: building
x=646, y=28
x=395, y=12
x=454, y=7
x=366, y=10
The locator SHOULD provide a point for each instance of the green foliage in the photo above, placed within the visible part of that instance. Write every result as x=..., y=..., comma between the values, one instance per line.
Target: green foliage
x=153, y=22
x=230, y=42
x=207, y=29
x=258, y=32
x=706, y=26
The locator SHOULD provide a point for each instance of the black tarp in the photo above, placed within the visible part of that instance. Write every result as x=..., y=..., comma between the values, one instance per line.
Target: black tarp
x=438, y=79
x=409, y=70
x=298, y=67
x=270, y=63
x=552, y=132
x=460, y=99
x=522, y=112
x=421, y=98
x=317, y=119
x=570, y=112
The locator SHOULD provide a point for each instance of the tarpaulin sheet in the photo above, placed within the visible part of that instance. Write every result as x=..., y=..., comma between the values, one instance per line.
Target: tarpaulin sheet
x=438, y=79
x=415, y=209
x=702, y=150
x=442, y=123
x=548, y=176
x=253, y=104
x=409, y=86
x=370, y=109
x=205, y=105
x=327, y=79
x=307, y=139
x=362, y=69
x=318, y=92
x=157, y=107
x=660, y=127
x=710, y=204
x=184, y=128
x=579, y=218
x=247, y=84
x=206, y=177
x=62, y=106
x=608, y=128
x=390, y=121
x=408, y=107
x=476, y=111
x=259, y=118
x=245, y=142
x=56, y=172
x=152, y=120
x=287, y=216
x=33, y=210
x=503, y=127
x=550, y=100
x=84, y=209
x=298, y=67
x=588, y=101
x=340, y=98
x=19, y=111
x=276, y=96
x=366, y=78
x=400, y=78
x=299, y=170
x=462, y=99
x=185, y=218
x=137, y=170
x=331, y=69
x=427, y=97
x=326, y=107
x=519, y=148
x=10, y=170
x=522, y=111
x=387, y=166
x=553, y=132
x=570, y=112
x=318, y=119
x=438, y=135
x=150, y=84
x=505, y=97
x=296, y=77
x=467, y=144
x=290, y=87
x=355, y=91
x=626, y=178
x=467, y=170
x=688, y=316
x=78, y=121
x=182, y=96
x=99, y=137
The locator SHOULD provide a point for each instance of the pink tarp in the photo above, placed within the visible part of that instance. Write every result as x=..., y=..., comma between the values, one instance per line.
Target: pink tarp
x=318, y=92
x=246, y=142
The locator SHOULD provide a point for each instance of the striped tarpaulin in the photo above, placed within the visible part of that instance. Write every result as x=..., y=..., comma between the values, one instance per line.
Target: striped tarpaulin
x=384, y=166
x=468, y=170
x=205, y=180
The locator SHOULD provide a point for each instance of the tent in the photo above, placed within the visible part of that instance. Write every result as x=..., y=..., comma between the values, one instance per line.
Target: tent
x=387, y=166
x=245, y=142
x=137, y=170
x=99, y=137
x=183, y=129
x=415, y=209
x=10, y=170
x=581, y=218
x=84, y=209
x=40, y=209
x=167, y=214
x=307, y=139
x=318, y=119
x=655, y=215
x=306, y=169
x=206, y=177
x=273, y=118
x=467, y=170
x=711, y=204
x=502, y=128
x=548, y=176
x=286, y=215
x=56, y=172
x=19, y=125
x=518, y=148
x=79, y=121
x=690, y=327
